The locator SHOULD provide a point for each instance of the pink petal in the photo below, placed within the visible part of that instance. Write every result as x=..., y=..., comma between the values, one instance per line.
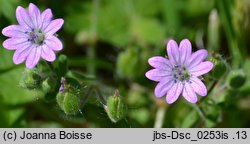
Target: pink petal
x=33, y=57
x=173, y=52
x=201, y=69
x=14, y=31
x=160, y=63
x=23, y=18
x=157, y=74
x=185, y=49
x=196, y=58
x=48, y=54
x=198, y=86
x=54, y=43
x=163, y=86
x=54, y=26
x=189, y=94
x=174, y=92
x=46, y=17
x=35, y=15
x=15, y=43
x=21, y=54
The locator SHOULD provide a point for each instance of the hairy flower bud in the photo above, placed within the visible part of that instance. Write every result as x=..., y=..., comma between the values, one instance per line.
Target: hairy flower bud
x=30, y=79
x=48, y=85
x=236, y=78
x=68, y=102
x=116, y=108
x=68, y=97
x=220, y=67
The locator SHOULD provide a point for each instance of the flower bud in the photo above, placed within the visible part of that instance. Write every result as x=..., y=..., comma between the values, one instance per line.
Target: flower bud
x=68, y=102
x=116, y=108
x=236, y=78
x=68, y=96
x=49, y=84
x=31, y=79
x=220, y=67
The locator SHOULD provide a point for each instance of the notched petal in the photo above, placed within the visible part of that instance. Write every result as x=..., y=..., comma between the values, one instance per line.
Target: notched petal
x=173, y=52
x=201, y=69
x=48, y=54
x=35, y=15
x=196, y=58
x=54, y=43
x=198, y=86
x=33, y=57
x=160, y=63
x=189, y=94
x=157, y=74
x=53, y=26
x=174, y=92
x=185, y=49
x=23, y=18
x=163, y=86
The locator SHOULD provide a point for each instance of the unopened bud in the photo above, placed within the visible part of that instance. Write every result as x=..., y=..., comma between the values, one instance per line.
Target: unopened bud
x=116, y=108
x=68, y=96
x=68, y=102
x=31, y=79
x=220, y=67
x=49, y=84
x=236, y=78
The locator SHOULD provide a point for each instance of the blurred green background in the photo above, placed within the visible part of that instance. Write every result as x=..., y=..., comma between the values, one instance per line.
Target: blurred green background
x=110, y=41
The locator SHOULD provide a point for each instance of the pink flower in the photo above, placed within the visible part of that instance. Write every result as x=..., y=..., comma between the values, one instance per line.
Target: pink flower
x=34, y=36
x=179, y=74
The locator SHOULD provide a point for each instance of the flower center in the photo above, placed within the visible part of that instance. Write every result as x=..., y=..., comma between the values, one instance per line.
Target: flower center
x=36, y=37
x=180, y=73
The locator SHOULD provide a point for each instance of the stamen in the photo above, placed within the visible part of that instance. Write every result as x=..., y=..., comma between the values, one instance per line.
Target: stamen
x=180, y=73
x=36, y=37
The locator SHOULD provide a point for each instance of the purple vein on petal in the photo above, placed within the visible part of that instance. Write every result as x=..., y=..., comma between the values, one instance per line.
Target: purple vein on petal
x=202, y=68
x=196, y=58
x=198, y=86
x=54, y=43
x=174, y=92
x=157, y=74
x=163, y=86
x=46, y=17
x=48, y=53
x=185, y=49
x=160, y=63
x=23, y=17
x=33, y=57
x=173, y=52
x=21, y=54
x=189, y=94
x=34, y=13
